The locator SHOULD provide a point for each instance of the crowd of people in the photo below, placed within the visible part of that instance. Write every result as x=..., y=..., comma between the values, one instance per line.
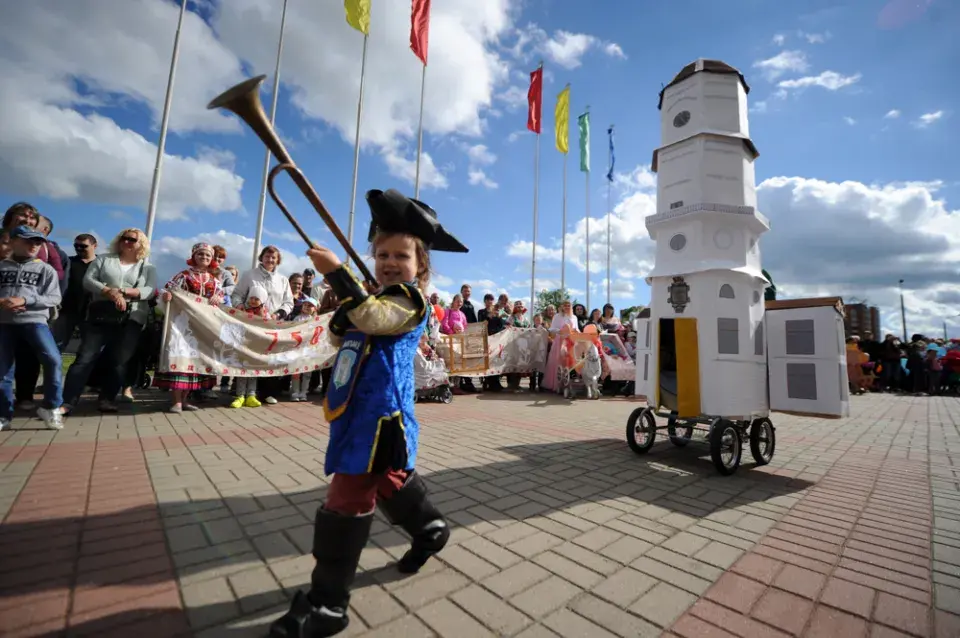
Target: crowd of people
x=924, y=366
x=107, y=298
x=500, y=313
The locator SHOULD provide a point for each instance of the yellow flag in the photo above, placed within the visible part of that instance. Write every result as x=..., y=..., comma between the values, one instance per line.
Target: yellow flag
x=358, y=15
x=562, y=117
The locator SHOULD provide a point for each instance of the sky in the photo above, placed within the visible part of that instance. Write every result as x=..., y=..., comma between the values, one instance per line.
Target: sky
x=851, y=109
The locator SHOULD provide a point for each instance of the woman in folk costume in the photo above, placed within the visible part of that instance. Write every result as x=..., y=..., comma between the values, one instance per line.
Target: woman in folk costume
x=370, y=406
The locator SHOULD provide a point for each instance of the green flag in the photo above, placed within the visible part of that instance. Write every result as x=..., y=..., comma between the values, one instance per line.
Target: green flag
x=583, y=123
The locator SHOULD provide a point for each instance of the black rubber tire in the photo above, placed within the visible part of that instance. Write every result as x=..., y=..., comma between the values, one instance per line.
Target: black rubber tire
x=720, y=429
x=679, y=435
x=145, y=381
x=756, y=431
x=642, y=417
x=446, y=396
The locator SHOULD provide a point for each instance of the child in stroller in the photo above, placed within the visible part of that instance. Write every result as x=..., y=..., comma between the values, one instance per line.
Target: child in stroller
x=430, y=374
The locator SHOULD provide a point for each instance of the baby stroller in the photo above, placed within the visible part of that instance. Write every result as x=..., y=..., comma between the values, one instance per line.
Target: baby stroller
x=576, y=370
x=431, y=379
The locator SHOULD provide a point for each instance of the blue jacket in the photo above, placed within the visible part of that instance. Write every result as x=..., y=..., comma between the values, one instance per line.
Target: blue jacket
x=371, y=398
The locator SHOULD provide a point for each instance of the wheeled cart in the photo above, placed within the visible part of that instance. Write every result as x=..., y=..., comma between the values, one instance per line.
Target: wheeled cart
x=725, y=437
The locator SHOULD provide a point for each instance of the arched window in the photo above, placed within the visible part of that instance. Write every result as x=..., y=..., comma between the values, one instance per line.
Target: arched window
x=726, y=292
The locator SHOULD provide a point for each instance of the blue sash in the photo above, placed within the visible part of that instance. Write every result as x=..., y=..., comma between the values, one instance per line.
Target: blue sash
x=352, y=355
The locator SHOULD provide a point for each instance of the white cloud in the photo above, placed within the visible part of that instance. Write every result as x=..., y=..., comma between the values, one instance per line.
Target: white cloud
x=108, y=54
x=759, y=107
x=463, y=73
x=849, y=120
x=563, y=48
x=614, y=50
x=830, y=80
x=927, y=119
x=815, y=38
x=778, y=39
x=783, y=62
x=479, y=155
x=892, y=114
x=857, y=240
x=477, y=177
x=403, y=167
x=514, y=97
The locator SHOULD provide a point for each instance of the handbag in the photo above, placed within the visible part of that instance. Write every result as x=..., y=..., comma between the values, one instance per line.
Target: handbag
x=106, y=313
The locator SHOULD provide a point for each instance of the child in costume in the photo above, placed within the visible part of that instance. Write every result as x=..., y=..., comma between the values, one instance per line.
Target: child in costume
x=300, y=383
x=247, y=386
x=370, y=406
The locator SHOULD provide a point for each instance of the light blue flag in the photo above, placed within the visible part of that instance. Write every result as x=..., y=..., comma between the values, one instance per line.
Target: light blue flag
x=613, y=158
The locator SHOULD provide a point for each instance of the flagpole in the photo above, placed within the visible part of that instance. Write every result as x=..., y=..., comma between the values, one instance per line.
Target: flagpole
x=262, y=211
x=563, y=235
x=164, y=122
x=536, y=202
x=609, y=213
x=423, y=85
x=356, y=142
x=587, y=177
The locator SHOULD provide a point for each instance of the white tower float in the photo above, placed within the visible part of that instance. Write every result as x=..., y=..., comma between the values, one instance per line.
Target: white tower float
x=706, y=288
x=702, y=356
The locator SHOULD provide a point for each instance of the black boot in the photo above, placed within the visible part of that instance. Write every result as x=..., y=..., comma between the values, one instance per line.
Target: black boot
x=412, y=510
x=337, y=543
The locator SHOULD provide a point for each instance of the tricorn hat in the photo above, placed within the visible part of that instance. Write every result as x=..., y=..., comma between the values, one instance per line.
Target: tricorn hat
x=394, y=212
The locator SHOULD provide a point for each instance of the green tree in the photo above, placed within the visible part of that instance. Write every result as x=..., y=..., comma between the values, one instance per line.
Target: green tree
x=770, y=293
x=551, y=297
x=625, y=313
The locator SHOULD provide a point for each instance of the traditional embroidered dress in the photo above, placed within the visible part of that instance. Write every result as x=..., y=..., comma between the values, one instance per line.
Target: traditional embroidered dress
x=209, y=286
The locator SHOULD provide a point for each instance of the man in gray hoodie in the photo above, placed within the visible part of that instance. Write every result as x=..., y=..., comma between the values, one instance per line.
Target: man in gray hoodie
x=29, y=291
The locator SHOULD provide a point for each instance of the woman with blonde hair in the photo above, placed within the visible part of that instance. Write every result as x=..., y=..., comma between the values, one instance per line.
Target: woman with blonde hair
x=121, y=284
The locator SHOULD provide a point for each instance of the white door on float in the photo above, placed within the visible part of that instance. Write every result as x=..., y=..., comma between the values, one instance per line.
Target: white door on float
x=806, y=361
x=646, y=362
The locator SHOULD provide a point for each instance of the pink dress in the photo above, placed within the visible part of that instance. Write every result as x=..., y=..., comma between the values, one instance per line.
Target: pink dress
x=553, y=359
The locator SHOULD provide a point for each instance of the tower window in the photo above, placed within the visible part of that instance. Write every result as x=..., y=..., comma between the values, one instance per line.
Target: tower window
x=728, y=336
x=677, y=242
x=726, y=292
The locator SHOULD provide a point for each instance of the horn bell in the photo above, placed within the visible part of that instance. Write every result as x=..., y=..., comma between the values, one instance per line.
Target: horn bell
x=235, y=96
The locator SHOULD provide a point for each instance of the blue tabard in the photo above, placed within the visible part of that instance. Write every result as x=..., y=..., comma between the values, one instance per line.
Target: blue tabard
x=371, y=398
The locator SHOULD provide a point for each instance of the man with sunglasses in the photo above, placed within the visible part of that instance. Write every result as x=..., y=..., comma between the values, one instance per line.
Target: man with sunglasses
x=75, y=300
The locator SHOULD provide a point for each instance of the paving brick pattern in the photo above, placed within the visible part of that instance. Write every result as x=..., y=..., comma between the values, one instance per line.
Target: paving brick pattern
x=200, y=524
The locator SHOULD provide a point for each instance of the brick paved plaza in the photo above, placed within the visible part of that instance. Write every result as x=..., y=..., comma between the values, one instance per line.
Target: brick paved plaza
x=150, y=524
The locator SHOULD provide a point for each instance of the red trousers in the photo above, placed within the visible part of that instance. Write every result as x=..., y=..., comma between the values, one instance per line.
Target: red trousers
x=356, y=494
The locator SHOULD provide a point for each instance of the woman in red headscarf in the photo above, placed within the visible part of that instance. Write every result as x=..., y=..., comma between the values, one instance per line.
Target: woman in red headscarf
x=203, y=279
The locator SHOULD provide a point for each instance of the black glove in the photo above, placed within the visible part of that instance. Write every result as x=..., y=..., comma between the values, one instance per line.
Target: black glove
x=347, y=288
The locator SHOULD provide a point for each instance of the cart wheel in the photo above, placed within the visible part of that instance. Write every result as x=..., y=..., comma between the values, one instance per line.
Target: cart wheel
x=763, y=441
x=447, y=395
x=145, y=381
x=680, y=435
x=641, y=430
x=725, y=447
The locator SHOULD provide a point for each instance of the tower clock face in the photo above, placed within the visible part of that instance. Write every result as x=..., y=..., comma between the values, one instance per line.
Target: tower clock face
x=681, y=119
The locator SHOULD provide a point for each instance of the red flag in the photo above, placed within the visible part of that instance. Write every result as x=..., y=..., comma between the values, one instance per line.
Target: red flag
x=420, y=29
x=535, y=100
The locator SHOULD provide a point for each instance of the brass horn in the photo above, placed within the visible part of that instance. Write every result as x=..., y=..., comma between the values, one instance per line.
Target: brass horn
x=244, y=101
